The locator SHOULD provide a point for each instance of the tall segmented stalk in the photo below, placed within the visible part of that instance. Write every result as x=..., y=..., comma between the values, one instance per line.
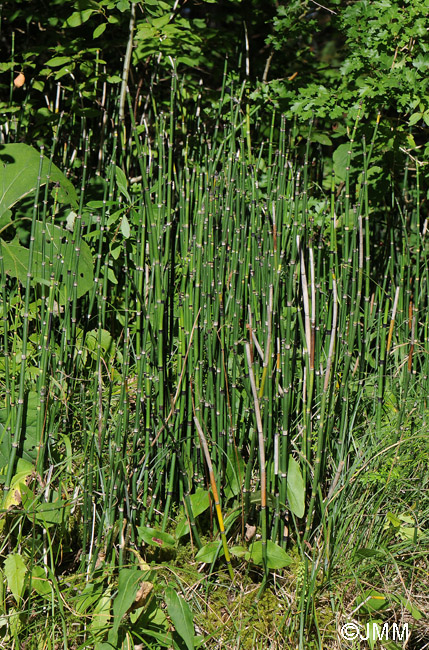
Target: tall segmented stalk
x=127, y=63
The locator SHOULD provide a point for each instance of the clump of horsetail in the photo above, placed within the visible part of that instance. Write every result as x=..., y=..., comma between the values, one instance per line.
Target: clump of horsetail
x=201, y=241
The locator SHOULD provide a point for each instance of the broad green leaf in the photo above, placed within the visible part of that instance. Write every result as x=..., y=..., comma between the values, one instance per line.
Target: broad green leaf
x=116, y=251
x=122, y=183
x=100, y=617
x=181, y=615
x=393, y=519
x=200, y=501
x=295, y=488
x=187, y=60
x=63, y=71
x=99, y=30
x=161, y=22
x=79, y=17
x=421, y=62
x=410, y=533
x=407, y=519
x=114, y=217
x=231, y=517
x=91, y=594
x=17, y=486
x=40, y=582
x=111, y=275
x=154, y=617
x=415, y=117
x=235, y=470
x=238, y=551
x=128, y=584
x=255, y=498
x=49, y=514
x=17, y=259
x=182, y=528
x=24, y=465
x=209, y=552
x=321, y=137
x=156, y=537
x=107, y=645
x=103, y=337
x=341, y=157
x=125, y=227
x=277, y=558
x=58, y=61
x=123, y=5
x=15, y=571
x=19, y=169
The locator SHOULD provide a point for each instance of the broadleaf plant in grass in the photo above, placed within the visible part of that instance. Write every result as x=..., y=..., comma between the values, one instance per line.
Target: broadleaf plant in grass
x=15, y=572
x=181, y=615
x=128, y=584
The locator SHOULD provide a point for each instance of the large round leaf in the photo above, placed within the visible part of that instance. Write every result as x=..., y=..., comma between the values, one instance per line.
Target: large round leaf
x=277, y=558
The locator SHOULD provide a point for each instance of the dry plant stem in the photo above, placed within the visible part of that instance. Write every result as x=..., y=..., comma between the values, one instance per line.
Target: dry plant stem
x=263, y=478
x=127, y=63
x=257, y=346
x=268, y=343
x=333, y=332
x=267, y=67
x=91, y=546
x=215, y=495
x=392, y=320
x=309, y=326
x=305, y=298
x=335, y=481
